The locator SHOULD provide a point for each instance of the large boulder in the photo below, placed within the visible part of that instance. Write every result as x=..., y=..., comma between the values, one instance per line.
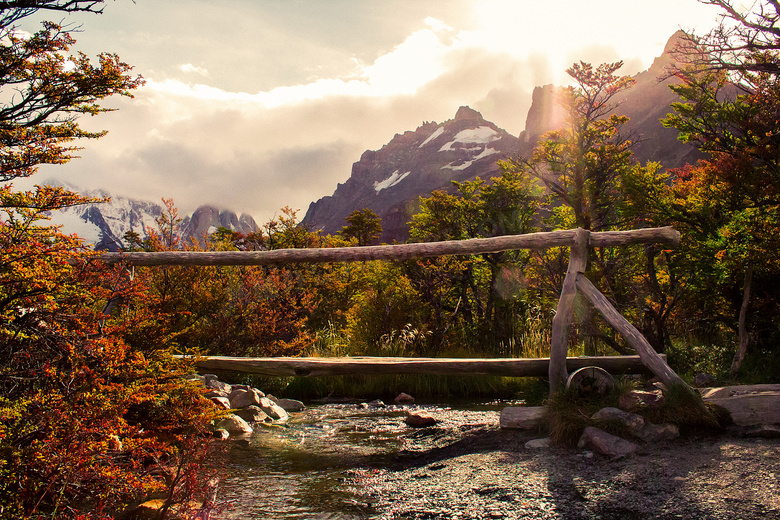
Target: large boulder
x=222, y=402
x=291, y=405
x=241, y=398
x=253, y=414
x=216, y=384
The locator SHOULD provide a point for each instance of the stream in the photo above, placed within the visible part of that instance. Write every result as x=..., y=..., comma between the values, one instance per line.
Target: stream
x=310, y=467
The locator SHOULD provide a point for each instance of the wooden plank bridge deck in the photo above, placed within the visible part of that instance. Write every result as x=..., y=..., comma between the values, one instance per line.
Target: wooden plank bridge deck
x=331, y=366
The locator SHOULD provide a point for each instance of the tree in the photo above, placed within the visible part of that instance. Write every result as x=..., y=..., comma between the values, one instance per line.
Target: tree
x=485, y=290
x=49, y=90
x=580, y=163
x=744, y=43
x=363, y=225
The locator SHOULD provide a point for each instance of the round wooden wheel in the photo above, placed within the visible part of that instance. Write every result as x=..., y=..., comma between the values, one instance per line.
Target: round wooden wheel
x=591, y=381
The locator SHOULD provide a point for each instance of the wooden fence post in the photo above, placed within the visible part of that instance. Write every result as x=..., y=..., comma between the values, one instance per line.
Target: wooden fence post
x=559, y=341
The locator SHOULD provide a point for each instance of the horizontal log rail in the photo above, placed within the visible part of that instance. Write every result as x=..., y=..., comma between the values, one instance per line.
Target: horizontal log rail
x=339, y=366
x=543, y=240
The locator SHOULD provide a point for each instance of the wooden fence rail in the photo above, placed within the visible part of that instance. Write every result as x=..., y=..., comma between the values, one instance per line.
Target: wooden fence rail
x=664, y=235
x=579, y=240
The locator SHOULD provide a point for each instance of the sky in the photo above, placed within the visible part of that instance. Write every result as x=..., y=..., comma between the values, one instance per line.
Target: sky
x=253, y=105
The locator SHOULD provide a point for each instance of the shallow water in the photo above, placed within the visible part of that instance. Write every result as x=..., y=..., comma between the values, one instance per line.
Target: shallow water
x=307, y=467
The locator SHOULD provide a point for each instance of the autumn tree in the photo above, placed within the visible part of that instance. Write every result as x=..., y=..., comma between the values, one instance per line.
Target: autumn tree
x=730, y=108
x=484, y=291
x=88, y=423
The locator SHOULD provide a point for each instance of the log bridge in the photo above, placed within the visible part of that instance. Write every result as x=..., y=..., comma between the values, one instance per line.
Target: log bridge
x=557, y=366
x=340, y=366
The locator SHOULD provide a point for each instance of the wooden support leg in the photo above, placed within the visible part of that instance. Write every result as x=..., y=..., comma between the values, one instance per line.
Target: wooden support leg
x=559, y=342
x=647, y=354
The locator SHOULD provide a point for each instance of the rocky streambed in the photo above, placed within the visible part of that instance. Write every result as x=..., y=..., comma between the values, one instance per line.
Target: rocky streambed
x=363, y=460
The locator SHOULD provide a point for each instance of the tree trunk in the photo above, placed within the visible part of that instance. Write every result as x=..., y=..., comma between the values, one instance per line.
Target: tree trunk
x=744, y=337
x=314, y=367
x=559, y=341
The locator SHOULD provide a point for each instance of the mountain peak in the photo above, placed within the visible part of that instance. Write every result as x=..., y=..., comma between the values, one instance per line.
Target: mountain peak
x=467, y=113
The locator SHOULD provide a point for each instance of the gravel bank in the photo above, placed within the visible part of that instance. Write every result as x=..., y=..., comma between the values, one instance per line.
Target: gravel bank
x=481, y=471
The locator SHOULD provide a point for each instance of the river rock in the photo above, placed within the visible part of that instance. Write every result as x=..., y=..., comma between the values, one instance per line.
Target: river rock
x=216, y=384
x=221, y=434
x=522, y=417
x=234, y=424
x=253, y=414
x=658, y=432
x=376, y=403
x=632, y=421
x=241, y=398
x=416, y=420
x=273, y=410
x=291, y=405
x=404, y=398
x=605, y=443
x=222, y=402
x=535, y=444
x=215, y=393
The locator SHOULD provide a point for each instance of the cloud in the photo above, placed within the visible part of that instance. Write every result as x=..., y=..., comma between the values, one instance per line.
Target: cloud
x=190, y=68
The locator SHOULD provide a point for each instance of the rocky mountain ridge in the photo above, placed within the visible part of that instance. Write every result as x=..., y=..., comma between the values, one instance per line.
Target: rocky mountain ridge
x=389, y=181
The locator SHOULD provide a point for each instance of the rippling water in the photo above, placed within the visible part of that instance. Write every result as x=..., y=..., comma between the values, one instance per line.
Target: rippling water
x=307, y=467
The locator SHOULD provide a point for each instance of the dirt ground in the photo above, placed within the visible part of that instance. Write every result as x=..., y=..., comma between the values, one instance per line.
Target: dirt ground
x=480, y=471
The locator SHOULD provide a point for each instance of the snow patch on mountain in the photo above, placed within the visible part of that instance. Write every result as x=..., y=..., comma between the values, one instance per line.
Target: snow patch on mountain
x=485, y=153
x=433, y=136
x=479, y=135
x=104, y=225
x=391, y=181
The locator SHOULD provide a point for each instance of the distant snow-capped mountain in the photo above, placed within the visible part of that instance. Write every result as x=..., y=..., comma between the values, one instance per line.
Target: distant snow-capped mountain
x=104, y=224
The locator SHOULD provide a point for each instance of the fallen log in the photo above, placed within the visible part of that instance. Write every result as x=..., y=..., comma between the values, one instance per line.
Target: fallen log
x=749, y=405
x=511, y=367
